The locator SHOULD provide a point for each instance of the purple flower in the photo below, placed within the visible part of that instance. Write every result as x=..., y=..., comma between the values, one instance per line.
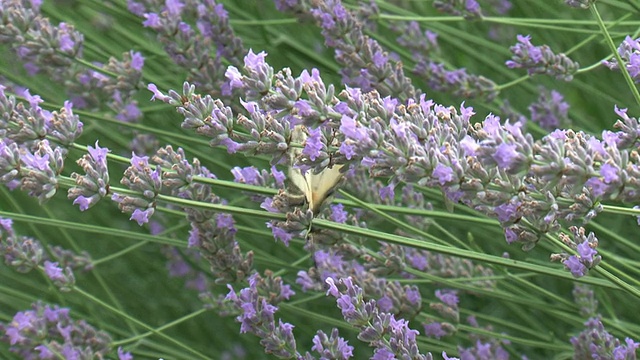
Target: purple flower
x=52, y=270
x=505, y=155
x=64, y=280
x=387, y=192
x=576, y=267
x=443, y=173
x=122, y=355
x=609, y=173
x=280, y=234
x=141, y=216
x=234, y=78
x=278, y=176
x=313, y=144
x=587, y=257
x=338, y=214
x=247, y=175
x=146, y=182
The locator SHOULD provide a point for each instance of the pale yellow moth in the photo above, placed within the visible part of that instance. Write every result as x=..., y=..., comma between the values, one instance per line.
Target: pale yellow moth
x=315, y=187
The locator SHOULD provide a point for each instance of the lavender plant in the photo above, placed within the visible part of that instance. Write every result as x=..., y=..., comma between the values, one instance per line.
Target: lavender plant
x=303, y=179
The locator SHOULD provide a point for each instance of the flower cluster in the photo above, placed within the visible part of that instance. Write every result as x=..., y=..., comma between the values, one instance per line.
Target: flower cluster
x=22, y=253
x=390, y=337
x=213, y=234
x=38, y=44
x=55, y=50
x=392, y=144
x=181, y=264
x=585, y=245
x=256, y=307
x=484, y=347
x=25, y=254
x=596, y=343
x=457, y=81
x=585, y=298
x=94, y=185
x=146, y=182
x=364, y=63
x=48, y=332
x=189, y=45
x=629, y=51
x=550, y=111
x=112, y=86
x=27, y=159
x=424, y=46
x=392, y=297
x=447, y=308
x=492, y=167
x=470, y=9
x=256, y=314
x=541, y=60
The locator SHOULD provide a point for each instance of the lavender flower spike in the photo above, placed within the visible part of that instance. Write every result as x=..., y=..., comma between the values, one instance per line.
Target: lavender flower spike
x=333, y=347
x=140, y=177
x=375, y=325
x=256, y=314
x=629, y=51
x=541, y=60
x=94, y=185
x=585, y=245
x=49, y=332
x=40, y=170
x=596, y=343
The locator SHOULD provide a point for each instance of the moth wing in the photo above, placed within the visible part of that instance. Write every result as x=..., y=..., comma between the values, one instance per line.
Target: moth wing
x=322, y=186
